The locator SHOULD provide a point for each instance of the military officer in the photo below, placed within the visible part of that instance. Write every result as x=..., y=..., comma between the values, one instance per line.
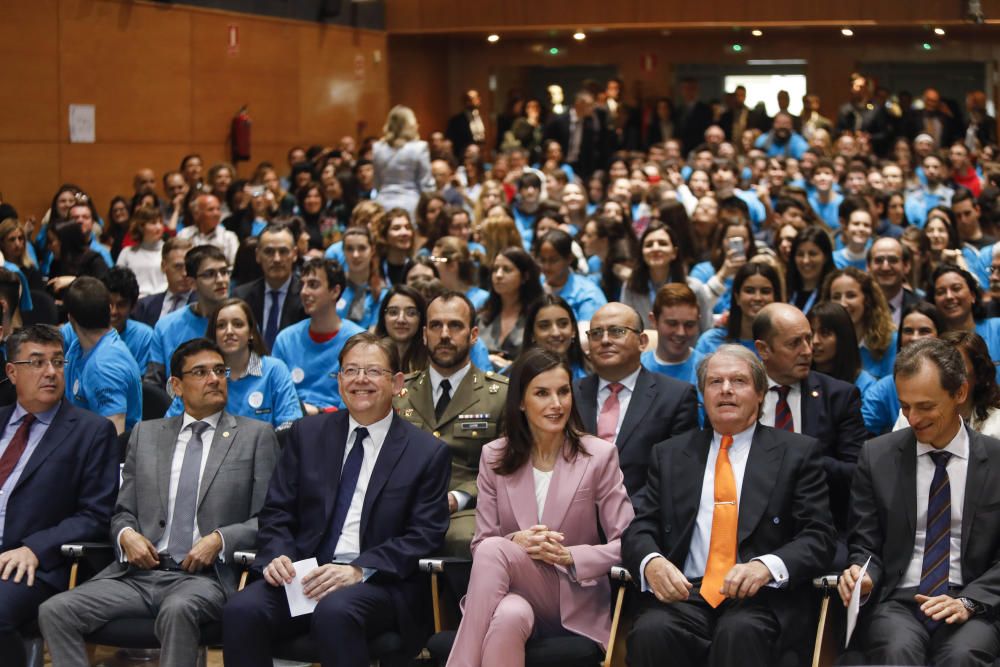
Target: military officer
x=458, y=403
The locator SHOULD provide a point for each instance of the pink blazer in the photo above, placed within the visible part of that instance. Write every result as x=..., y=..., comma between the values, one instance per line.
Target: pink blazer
x=581, y=491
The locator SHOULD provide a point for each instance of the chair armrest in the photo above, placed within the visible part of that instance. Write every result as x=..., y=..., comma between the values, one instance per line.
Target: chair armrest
x=619, y=573
x=437, y=564
x=244, y=558
x=827, y=582
x=79, y=550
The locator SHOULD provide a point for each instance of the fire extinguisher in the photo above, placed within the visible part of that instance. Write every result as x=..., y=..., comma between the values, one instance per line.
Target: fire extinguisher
x=240, y=135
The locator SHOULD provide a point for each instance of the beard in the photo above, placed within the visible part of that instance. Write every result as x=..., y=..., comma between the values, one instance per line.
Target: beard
x=450, y=356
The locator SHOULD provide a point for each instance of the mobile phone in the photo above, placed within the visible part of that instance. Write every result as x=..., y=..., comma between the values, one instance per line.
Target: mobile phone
x=258, y=191
x=737, y=247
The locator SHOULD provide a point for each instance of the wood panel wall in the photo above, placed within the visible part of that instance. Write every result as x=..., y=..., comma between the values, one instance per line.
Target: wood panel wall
x=165, y=84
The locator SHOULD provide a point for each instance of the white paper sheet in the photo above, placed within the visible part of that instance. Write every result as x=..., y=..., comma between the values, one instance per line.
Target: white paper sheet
x=81, y=124
x=854, y=607
x=298, y=603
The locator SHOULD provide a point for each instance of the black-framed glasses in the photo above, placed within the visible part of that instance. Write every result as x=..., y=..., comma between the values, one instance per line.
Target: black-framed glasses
x=373, y=373
x=200, y=372
x=614, y=333
x=212, y=274
x=38, y=363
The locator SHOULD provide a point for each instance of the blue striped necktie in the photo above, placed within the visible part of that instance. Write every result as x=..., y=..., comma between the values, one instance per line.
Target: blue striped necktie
x=937, y=541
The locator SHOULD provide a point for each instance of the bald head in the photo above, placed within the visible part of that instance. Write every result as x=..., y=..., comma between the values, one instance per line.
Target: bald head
x=783, y=339
x=616, y=357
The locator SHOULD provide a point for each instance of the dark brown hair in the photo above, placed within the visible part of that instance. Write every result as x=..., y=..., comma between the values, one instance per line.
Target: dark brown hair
x=256, y=340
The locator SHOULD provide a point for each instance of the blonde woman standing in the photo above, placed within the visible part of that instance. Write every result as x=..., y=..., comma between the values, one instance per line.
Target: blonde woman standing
x=402, y=162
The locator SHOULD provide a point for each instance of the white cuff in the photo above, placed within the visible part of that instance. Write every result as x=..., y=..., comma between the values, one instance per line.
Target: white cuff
x=118, y=545
x=779, y=573
x=462, y=499
x=643, y=586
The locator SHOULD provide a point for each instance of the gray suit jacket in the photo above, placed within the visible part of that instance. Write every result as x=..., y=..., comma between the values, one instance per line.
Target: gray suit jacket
x=232, y=490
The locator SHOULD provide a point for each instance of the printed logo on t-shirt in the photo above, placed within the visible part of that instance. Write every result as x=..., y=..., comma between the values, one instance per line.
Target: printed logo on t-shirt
x=256, y=399
x=298, y=375
x=76, y=387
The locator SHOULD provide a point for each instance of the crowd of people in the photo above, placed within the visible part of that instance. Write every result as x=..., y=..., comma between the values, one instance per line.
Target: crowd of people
x=394, y=349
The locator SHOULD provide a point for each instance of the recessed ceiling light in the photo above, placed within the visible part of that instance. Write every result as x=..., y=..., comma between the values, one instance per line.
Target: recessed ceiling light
x=579, y=36
x=757, y=33
x=493, y=39
x=939, y=32
x=846, y=32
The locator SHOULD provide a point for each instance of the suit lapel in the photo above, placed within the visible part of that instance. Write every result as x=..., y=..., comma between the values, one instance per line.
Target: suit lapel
x=61, y=426
x=687, y=475
x=389, y=455
x=333, y=459
x=464, y=396
x=811, y=406
x=906, y=485
x=166, y=443
x=287, y=314
x=763, y=464
x=566, y=479
x=421, y=397
x=521, y=494
x=587, y=403
x=643, y=396
x=222, y=441
x=977, y=476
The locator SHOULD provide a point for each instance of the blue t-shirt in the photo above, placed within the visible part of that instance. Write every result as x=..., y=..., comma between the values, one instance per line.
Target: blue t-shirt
x=864, y=380
x=372, y=304
x=336, y=251
x=138, y=338
x=841, y=260
x=794, y=147
x=479, y=355
x=710, y=341
x=525, y=225
x=478, y=296
x=880, y=406
x=105, y=379
x=686, y=371
x=269, y=397
x=582, y=295
x=989, y=329
x=171, y=331
x=24, y=303
x=879, y=368
x=314, y=366
x=828, y=212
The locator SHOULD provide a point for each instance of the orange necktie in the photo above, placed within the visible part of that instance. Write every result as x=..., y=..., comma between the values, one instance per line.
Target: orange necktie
x=725, y=517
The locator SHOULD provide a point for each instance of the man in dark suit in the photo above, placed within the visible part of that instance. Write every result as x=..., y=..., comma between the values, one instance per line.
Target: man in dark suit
x=934, y=119
x=583, y=134
x=191, y=489
x=803, y=401
x=466, y=127
x=733, y=525
x=58, y=479
x=889, y=264
x=180, y=287
x=923, y=510
x=274, y=299
x=363, y=491
x=739, y=117
x=624, y=403
x=862, y=114
x=692, y=116
x=982, y=127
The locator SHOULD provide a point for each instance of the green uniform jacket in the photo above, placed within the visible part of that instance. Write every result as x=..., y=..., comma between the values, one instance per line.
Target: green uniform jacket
x=474, y=416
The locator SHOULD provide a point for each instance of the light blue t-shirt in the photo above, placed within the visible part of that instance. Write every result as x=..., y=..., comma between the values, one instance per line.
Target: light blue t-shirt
x=171, y=331
x=710, y=341
x=336, y=251
x=828, y=212
x=686, y=371
x=372, y=304
x=314, y=366
x=864, y=380
x=478, y=296
x=582, y=295
x=841, y=260
x=989, y=329
x=105, y=379
x=879, y=368
x=880, y=406
x=269, y=397
x=138, y=338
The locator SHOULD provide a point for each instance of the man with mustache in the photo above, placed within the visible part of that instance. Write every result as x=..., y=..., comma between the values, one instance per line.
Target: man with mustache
x=458, y=403
x=782, y=140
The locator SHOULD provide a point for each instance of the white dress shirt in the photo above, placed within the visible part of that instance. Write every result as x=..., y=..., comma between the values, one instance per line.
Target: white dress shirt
x=701, y=538
x=624, y=396
x=958, y=466
x=349, y=544
x=794, y=404
x=462, y=499
x=542, y=481
x=220, y=237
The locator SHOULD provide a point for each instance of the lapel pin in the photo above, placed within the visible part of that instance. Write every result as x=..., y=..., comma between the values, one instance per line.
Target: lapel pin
x=815, y=393
x=225, y=434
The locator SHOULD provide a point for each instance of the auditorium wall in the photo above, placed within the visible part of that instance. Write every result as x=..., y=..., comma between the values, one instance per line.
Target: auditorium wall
x=166, y=80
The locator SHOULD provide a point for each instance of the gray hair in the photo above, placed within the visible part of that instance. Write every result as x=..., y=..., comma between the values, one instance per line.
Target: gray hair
x=942, y=354
x=757, y=372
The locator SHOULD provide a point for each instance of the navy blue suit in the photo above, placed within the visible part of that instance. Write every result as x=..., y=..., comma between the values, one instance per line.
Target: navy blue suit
x=66, y=493
x=404, y=518
x=147, y=309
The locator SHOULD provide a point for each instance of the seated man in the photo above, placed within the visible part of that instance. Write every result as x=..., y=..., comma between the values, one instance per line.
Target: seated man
x=311, y=348
x=733, y=525
x=58, y=478
x=124, y=288
x=933, y=583
x=191, y=490
x=101, y=374
x=207, y=266
x=363, y=491
x=178, y=294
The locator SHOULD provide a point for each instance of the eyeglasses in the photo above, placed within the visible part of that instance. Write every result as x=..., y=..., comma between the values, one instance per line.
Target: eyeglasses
x=212, y=274
x=438, y=260
x=614, y=333
x=396, y=312
x=883, y=259
x=373, y=373
x=200, y=372
x=38, y=363
x=280, y=251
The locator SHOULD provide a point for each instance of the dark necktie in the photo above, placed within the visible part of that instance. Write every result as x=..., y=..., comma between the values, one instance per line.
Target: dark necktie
x=173, y=300
x=442, y=403
x=349, y=475
x=186, y=500
x=15, y=448
x=782, y=411
x=937, y=540
x=271, y=328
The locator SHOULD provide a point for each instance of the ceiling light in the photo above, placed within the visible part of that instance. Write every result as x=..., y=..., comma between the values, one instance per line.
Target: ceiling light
x=579, y=36
x=554, y=51
x=757, y=33
x=493, y=39
x=846, y=32
x=939, y=32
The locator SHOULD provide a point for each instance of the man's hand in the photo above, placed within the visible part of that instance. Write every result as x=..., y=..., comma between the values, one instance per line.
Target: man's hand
x=849, y=579
x=279, y=571
x=139, y=551
x=452, y=503
x=940, y=608
x=745, y=579
x=204, y=553
x=19, y=562
x=327, y=578
x=59, y=283
x=310, y=409
x=667, y=582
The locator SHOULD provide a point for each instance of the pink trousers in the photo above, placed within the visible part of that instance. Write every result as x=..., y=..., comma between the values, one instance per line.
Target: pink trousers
x=509, y=595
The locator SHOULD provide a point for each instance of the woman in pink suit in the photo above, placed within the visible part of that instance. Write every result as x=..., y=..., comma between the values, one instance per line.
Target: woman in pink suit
x=539, y=565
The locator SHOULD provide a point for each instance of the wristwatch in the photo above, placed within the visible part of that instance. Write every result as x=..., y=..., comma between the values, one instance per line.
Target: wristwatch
x=975, y=608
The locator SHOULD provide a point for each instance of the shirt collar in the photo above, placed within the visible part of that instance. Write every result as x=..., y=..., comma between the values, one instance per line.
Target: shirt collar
x=44, y=417
x=455, y=378
x=628, y=381
x=959, y=445
x=255, y=367
x=741, y=440
x=377, y=430
x=283, y=289
x=772, y=383
x=211, y=420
